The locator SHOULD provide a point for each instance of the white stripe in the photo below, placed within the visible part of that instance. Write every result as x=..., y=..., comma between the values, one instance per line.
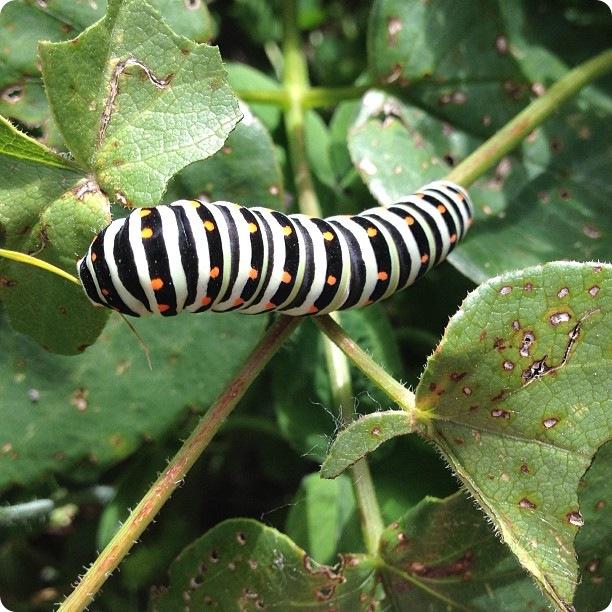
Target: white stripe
x=140, y=258
x=90, y=267
x=109, y=243
x=175, y=264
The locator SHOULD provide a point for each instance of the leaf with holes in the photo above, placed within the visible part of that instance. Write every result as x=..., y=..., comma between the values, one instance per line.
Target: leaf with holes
x=519, y=392
x=549, y=200
x=136, y=102
x=442, y=555
x=24, y=23
x=242, y=564
x=46, y=210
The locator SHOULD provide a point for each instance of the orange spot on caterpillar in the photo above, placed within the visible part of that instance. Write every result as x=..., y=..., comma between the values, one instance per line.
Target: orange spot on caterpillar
x=209, y=226
x=157, y=284
x=144, y=212
x=214, y=272
x=253, y=273
x=441, y=208
x=93, y=257
x=372, y=231
x=383, y=276
x=238, y=301
x=313, y=309
x=409, y=220
x=286, y=277
x=206, y=300
x=105, y=292
x=424, y=258
x=270, y=305
x=331, y=280
x=287, y=230
x=328, y=236
x=163, y=307
x=195, y=203
x=419, y=195
x=453, y=238
x=252, y=228
x=146, y=232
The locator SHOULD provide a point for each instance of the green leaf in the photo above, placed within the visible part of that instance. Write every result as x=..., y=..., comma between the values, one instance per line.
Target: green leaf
x=47, y=212
x=451, y=72
x=443, y=555
x=322, y=518
x=594, y=542
x=362, y=437
x=24, y=23
x=136, y=102
x=82, y=416
x=241, y=564
x=548, y=200
x=245, y=170
x=519, y=392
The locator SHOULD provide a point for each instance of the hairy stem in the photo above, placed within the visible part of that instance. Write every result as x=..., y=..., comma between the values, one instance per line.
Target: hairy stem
x=295, y=80
x=511, y=135
x=173, y=475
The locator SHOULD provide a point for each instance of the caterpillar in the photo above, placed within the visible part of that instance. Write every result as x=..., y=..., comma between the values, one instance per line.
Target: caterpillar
x=197, y=256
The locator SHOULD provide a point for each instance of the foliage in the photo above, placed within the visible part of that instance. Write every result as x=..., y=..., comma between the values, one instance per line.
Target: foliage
x=121, y=104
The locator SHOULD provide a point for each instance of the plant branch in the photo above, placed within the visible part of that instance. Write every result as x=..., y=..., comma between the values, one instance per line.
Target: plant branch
x=402, y=396
x=175, y=472
x=512, y=134
x=297, y=85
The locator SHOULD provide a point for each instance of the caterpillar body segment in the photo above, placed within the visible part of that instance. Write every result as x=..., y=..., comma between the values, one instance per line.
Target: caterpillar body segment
x=195, y=256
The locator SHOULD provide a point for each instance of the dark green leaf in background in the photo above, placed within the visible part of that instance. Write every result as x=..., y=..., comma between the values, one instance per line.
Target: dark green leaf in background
x=243, y=565
x=64, y=415
x=442, y=555
x=135, y=102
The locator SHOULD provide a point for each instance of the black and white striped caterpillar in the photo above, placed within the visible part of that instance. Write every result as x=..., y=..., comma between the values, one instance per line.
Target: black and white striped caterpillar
x=219, y=256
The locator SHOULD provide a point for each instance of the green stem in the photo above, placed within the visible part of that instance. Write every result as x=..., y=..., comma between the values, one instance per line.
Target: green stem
x=175, y=472
x=274, y=97
x=402, y=396
x=295, y=80
x=511, y=135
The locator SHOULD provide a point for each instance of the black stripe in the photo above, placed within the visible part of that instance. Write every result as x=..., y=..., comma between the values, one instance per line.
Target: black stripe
x=309, y=268
x=268, y=273
x=126, y=264
x=234, y=251
x=454, y=204
x=358, y=267
x=189, y=254
x=88, y=282
x=292, y=258
x=157, y=260
x=333, y=257
x=215, y=251
x=102, y=273
x=405, y=261
x=403, y=210
x=257, y=254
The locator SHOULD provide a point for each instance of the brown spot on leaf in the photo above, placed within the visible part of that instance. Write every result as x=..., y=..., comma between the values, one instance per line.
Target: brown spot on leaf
x=528, y=340
x=499, y=344
x=500, y=396
x=591, y=231
x=500, y=414
x=375, y=431
x=594, y=290
x=505, y=290
x=575, y=518
x=528, y=287
x=535, y=370
x=563, y=292
x=550, y=422
x=501, y=44
x=527, y=504
x=564, y=194
x=600, y=505
x=459, y=568
x=467, y=391
x=78, y=399
x=524, y=468
x=394, y=27
x=241, y=538
x=516, y=325
x=12, y=94
x=7, y=282
x=483, y=335
x=592, y=566
x=556, y=145
x=457, y=376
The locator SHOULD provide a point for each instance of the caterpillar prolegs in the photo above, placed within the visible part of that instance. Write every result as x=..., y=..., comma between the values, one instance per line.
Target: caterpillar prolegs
x=219, y=256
